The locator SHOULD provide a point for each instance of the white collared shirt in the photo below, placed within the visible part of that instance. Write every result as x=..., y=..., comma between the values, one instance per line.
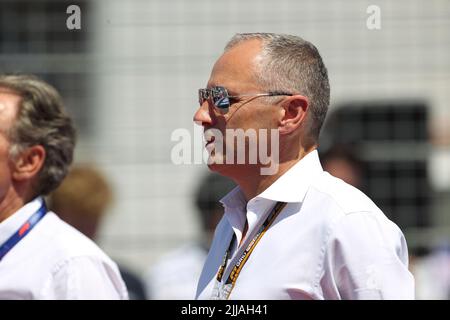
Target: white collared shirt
x=329, y=242
x=55, y=261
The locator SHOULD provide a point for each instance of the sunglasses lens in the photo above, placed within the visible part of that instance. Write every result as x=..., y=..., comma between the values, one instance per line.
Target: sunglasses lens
x=222, y=103
x=218, y=95
x=220, y=98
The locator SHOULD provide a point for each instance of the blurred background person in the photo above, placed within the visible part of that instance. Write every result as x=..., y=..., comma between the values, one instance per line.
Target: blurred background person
x=431, y=269
x=175, y=275
x=82, y=200
x=341, y=161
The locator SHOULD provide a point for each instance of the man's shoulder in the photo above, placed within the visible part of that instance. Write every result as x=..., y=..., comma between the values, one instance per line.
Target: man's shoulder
x=347, y=213
x=62, y=242
x=343, y=197
x=335, y=202
x=53, y=252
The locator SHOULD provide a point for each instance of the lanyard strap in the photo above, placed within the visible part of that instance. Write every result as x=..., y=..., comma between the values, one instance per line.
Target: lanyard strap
x=234, y=274
x=23, y=230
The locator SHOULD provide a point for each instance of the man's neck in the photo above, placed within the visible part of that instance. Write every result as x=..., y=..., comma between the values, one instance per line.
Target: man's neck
x=253, y=183
x=10, y=204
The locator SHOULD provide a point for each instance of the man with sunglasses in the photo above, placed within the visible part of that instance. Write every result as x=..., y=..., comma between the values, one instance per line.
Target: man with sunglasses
x=297, y=233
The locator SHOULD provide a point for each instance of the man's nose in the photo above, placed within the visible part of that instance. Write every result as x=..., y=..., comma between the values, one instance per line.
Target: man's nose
x=202, y=116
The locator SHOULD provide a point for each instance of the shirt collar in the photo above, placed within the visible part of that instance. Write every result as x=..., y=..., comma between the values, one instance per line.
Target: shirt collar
x=235, y=199
x=294, y=183
x=11, y=224
x=290, y=187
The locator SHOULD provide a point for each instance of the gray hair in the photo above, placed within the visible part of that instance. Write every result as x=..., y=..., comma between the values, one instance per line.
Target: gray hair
x=41, y=120
x=289, y=63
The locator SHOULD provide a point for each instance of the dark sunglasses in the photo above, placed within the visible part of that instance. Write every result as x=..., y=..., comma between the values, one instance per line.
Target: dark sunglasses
x=222, y=100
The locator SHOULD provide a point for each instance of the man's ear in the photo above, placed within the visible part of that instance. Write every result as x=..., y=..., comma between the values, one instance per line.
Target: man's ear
x=28, y=163
x=295, y=108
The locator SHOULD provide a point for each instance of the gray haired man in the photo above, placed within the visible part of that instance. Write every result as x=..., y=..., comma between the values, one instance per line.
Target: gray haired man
x=42, y=257
x=297, y=233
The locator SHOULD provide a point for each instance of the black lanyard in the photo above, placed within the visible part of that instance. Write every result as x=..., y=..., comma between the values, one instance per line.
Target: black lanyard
x=22, y=231
x=234, y=274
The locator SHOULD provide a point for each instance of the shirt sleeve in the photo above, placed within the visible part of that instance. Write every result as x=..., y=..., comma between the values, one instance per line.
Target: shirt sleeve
x=367, y=258
x=85, y=278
